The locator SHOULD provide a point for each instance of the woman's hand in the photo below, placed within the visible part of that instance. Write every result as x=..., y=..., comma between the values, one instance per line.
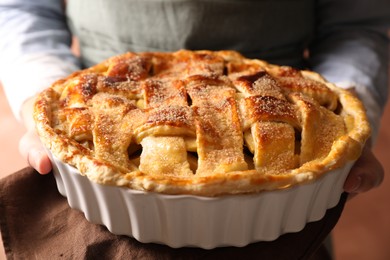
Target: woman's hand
x=367, y=173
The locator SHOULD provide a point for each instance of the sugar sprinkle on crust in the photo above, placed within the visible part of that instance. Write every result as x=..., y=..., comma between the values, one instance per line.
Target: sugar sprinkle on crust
x=200, y=122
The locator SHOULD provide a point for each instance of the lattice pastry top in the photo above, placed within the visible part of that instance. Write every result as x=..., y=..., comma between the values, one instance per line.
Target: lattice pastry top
x=199, y=122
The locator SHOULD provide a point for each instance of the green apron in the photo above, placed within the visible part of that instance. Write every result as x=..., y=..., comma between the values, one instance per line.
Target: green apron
x=275, y=30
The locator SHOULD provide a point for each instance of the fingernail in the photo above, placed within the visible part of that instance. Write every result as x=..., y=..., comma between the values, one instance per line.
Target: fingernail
x=353, y=184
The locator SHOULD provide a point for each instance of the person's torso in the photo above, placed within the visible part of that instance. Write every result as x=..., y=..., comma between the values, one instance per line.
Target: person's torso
x=274, y=30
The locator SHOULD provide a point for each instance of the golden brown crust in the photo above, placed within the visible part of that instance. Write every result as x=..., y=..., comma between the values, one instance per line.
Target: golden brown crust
x=200, y=122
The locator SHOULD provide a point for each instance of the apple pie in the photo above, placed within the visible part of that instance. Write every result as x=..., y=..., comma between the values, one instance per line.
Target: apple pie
x=203, y=123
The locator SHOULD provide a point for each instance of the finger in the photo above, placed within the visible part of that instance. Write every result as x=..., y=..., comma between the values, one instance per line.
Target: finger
x=366, y=174
x=38, y=159
x=34, y=153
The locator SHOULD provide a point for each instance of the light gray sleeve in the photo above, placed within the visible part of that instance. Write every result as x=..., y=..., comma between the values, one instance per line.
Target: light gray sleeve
x=34, y=47
x=351, y=49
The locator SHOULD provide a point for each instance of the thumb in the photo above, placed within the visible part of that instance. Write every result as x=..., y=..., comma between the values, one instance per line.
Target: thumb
x=34, y=153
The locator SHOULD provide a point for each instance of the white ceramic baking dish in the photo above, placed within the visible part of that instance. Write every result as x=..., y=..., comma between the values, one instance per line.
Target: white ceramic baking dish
x=205, y=222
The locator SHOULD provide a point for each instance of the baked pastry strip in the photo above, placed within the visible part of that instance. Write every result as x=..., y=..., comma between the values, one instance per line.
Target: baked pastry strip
x=112, y=130
x=218, y=126
x=163, y=148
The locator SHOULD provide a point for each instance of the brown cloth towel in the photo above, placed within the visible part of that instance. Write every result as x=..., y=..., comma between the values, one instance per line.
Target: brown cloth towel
x=37, y=223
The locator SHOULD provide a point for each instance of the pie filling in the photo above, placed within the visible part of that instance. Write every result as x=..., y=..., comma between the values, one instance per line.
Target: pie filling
x=198, y=113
